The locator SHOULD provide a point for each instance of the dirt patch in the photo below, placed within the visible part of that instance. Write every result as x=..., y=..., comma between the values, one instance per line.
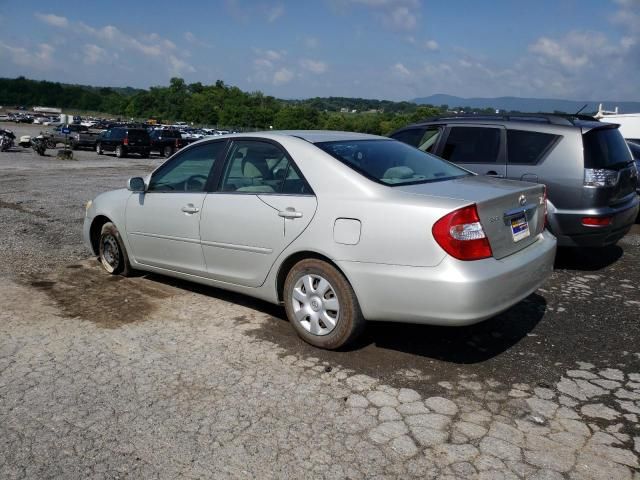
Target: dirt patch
x=86, y=291
x=18, y=207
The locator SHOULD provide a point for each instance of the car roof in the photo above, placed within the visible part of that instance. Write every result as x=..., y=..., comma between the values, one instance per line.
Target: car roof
x=579, y=121
x=312, y=136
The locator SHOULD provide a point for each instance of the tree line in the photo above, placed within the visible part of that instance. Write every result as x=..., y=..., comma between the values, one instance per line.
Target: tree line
x=219, y=105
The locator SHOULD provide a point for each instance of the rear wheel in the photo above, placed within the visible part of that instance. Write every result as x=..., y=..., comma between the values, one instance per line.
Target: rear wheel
x=120, y=152
x=168, y=151
x=111, y=251
x=321, y=305
x=98, y=149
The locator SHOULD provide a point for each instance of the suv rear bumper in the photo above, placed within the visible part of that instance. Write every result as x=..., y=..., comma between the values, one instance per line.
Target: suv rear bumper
x=567, y=225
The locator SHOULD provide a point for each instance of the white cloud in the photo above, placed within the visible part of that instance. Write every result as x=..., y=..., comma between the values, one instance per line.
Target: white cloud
x=282, y=76
x=402, y=15
x=53, y=20
x=314, y=66
x=431, y=45
x=40, y=59
x=400, y=70
x=94, y=54
x=179, y=67
x=275, y=13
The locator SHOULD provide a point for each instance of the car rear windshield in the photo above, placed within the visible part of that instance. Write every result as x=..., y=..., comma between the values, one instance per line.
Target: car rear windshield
x=138, y=134
x=391, y=162
x=605, y=148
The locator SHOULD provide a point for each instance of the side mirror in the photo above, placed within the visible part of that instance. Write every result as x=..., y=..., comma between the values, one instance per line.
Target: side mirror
x=136, y=184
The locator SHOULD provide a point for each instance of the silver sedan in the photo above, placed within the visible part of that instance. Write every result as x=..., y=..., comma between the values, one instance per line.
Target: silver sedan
x=339, y=227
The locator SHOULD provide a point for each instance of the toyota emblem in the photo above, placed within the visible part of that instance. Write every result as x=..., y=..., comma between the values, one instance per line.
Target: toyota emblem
x=522, y=200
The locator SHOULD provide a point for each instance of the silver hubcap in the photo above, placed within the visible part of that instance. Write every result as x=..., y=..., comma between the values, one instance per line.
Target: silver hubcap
x=315, y=304
x=110, y=253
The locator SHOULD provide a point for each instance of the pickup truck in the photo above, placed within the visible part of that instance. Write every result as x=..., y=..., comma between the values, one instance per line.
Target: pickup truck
x=166, y=141
x=79, y=136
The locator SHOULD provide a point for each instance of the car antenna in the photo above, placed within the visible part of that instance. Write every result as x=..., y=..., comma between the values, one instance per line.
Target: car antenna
x=583, y=107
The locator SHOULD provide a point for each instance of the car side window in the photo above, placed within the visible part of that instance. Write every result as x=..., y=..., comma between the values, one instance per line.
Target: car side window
x=261, y=167
x=472, y=145
x=188, y=171
x=410, y=136
x=528, y=148
x=429, y=139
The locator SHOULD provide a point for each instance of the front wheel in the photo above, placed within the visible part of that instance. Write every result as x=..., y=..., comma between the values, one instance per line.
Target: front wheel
x=111, y=251
x=321, y=305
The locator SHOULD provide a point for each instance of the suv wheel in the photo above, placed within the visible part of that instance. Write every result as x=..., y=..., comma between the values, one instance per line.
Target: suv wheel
x=120, y=153
x=98, y=149
x=321, y=305
x=168, y=151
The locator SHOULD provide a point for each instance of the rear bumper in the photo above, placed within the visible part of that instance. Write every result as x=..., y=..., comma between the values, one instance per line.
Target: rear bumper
x=568, y=228
x=137, y=149
x=454, y=292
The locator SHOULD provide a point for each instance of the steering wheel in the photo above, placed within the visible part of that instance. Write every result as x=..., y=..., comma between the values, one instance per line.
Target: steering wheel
x=195, y=182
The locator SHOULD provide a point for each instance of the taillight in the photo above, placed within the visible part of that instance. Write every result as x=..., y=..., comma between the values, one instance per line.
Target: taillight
x=461, y=235
x=126, y=141
x=596, y=221
x=177, y=144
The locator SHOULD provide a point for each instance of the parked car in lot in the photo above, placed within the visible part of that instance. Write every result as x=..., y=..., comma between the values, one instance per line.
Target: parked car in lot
x=585, y=164
x=635, y=153
x=78, y=136
x=124, y=141
x=166, y=141
x=339, y=227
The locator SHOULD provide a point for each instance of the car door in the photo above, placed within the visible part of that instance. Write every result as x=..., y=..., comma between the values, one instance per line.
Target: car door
x=261, y=205
x=163, y=223
x=479, y=148
x=112, y=139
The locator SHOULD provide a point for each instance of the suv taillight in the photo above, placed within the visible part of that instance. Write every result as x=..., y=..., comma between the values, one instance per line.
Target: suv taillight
x=461, y=235
x=125, y=141
x=600, y=177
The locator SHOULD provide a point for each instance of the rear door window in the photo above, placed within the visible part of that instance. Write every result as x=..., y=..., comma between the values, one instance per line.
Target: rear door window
x=261, y=167
x=528, y=148
x=425, y=138
x=605, y=148
x=472, y=145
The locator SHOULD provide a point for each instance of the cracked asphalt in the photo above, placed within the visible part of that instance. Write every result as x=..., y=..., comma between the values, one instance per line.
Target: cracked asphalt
x=149, y=377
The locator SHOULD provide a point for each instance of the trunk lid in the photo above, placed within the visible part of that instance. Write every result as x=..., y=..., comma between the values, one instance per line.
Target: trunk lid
x=511, y=212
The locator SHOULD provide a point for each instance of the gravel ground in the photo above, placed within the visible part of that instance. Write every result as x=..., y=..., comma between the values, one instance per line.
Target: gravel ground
x=148, y=377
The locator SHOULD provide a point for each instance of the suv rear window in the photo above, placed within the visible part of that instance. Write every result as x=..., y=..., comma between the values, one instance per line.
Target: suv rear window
x=528, y=148
x=472, y=145
x=138, y=134
x=391, y=162
x=605, y=148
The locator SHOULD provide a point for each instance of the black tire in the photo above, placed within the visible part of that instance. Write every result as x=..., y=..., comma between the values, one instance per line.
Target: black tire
x=120, y=152
x=349, y=323
x=145, y=154
x=74, y=146
x=167, y=151
x=111, y=252
x=99, y=149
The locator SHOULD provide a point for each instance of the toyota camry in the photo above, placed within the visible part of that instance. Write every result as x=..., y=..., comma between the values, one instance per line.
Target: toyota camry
x=340, y=228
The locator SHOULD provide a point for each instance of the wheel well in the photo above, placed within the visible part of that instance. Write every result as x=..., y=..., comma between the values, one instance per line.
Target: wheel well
x=94, y=232
x=288, y=264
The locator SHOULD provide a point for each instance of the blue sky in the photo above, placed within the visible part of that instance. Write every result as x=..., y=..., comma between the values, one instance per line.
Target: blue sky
x=389, y=49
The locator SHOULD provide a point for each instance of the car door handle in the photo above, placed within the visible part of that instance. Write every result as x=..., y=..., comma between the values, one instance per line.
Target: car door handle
x=493, y=173
x=190, y=208
x=290, y=213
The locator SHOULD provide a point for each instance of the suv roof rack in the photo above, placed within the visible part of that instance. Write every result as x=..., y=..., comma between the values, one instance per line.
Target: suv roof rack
x=551, y=118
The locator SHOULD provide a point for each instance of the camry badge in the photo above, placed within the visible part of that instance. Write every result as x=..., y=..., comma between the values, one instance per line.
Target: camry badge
x=522, y=200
